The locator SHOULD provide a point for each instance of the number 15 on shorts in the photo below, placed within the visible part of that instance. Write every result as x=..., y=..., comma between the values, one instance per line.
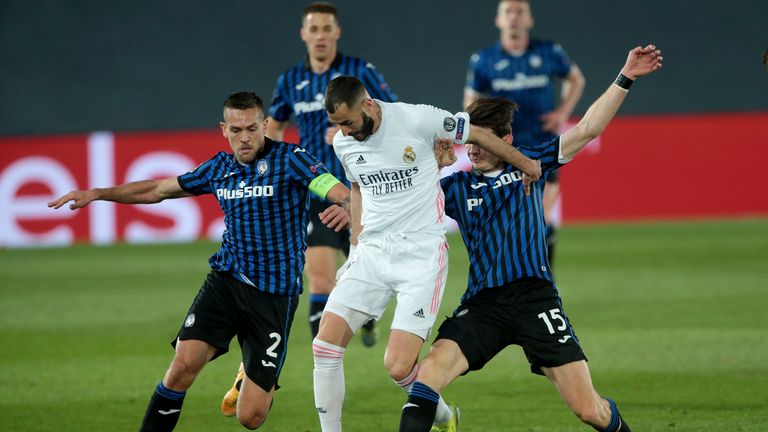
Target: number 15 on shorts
x=555, y=316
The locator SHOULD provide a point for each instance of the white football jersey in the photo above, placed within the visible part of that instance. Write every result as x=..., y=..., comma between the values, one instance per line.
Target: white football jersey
x=396, y=167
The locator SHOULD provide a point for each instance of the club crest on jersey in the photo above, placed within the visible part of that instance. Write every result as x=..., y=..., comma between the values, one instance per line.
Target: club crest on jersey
x=409, y=156
x=262, y=167
x=190, y=321
x=535, y=61
x=449, y=124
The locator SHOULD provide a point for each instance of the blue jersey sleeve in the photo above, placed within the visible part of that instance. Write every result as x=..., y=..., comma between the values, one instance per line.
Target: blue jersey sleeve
x=477, y=80
x=375, y=84
x=303, y=167
x=548, y=154
x=197, y=181
x=447, y=183
x=562, y=63
x=281, y=108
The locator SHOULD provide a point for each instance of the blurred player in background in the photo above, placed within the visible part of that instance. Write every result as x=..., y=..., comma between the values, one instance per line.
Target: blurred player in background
x=255, y=281
x=399, y=246
x=300, y=91
x=524, y=70
x=511, y=297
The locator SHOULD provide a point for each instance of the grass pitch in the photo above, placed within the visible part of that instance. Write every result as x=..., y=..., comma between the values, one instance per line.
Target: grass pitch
x=671, y=316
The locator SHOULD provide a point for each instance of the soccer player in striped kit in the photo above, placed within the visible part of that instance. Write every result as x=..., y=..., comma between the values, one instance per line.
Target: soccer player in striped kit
x=524, y=70
x=253, y=288
x=511, y=297
x=387, y=150
x=300, y=91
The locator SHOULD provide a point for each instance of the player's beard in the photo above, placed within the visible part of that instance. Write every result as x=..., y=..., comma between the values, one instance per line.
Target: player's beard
x=366, y=130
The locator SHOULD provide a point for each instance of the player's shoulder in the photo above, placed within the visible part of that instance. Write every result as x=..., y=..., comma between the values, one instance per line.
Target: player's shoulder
x=544, y=45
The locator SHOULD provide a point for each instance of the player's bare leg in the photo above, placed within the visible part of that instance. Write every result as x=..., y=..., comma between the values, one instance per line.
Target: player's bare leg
x=254, y=404
x=165, y=405
x=574, y=384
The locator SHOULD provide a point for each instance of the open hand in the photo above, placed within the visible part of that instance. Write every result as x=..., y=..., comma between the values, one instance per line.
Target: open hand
x=642, y=61
x=80, y=198
x=335, y=218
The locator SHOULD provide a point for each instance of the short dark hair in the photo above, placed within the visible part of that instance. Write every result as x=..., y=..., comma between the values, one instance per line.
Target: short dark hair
x=244, y=100
x=320, y=7
x=343, y=90
x=495, y=113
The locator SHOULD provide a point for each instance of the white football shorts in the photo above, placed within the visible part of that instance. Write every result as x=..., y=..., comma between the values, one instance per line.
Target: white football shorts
x=412, y=267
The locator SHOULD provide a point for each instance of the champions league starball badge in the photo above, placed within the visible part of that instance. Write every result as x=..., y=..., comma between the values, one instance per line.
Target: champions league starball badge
x=409, y=155
x=449, y=124
x=262, y=167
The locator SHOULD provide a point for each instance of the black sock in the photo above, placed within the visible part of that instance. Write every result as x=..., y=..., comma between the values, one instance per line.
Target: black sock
x=370, y=324
x=163, y=411
x=419, y=413
x=316, y=305
x=617, y=423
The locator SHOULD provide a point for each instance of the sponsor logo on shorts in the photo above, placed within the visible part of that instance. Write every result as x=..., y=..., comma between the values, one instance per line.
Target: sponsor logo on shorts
x=462, y=312
x=449, y=124
x=268, y=364
x=564, y=339
x=190, y=321
x=419, y=313
x=170, y=411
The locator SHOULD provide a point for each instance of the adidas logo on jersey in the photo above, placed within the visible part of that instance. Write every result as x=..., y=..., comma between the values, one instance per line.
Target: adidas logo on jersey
x=360, y=160
x=419, y=313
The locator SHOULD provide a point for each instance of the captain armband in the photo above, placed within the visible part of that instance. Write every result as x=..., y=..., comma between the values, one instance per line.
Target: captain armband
x=323, y=183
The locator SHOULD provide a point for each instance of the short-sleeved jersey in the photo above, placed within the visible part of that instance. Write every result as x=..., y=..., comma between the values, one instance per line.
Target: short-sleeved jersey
x=265, y=213
x=396, y=167
x=526, y=79
x=503, y=230
x=301, y=92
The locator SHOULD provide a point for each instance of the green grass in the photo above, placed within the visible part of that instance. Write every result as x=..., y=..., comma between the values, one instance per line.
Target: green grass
x=672, y=317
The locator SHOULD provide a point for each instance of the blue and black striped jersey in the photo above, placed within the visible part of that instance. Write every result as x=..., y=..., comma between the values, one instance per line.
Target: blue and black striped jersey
x=301, y=92
x=503, y=230
x=526, y=79
x=265, y=213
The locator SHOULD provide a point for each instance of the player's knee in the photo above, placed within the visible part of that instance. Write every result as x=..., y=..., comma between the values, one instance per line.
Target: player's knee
x=397, y=370
x=321, y=283
x=252, y=420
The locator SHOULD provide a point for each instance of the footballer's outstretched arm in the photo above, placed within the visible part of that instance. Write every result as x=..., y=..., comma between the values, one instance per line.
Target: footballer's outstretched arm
x=640, y=62
x=139, y=192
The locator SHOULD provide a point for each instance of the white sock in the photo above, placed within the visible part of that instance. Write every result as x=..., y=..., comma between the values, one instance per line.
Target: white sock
x=329, y=384
x=443, y=413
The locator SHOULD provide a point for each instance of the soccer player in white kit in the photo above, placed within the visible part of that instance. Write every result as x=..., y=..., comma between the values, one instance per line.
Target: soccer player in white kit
x=398, y=237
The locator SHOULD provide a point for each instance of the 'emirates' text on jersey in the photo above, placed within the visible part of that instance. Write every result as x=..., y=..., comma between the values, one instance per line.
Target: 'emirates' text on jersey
x=503, y=230
x=526, y=79
x=302, y=92
x=265, y=213
x=396, y=167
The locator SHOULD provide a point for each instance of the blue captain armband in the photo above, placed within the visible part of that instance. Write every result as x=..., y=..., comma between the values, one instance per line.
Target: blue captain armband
x=323, y=183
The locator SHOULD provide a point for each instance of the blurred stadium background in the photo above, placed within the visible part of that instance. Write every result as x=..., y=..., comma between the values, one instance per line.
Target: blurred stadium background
x=662, y=261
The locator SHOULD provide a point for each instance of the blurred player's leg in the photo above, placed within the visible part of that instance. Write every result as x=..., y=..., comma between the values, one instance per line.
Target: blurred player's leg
x=165, y=405
x=321, y=272
x=573, y=382
x=550, y=200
